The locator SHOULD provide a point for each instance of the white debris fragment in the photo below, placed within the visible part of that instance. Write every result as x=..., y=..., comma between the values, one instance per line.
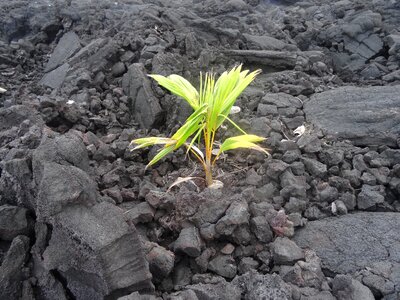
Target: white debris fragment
x=70, y=102
x=299, y=131
x=2, y=91
x=235, y=110
x=334, y=208
x=216, y=185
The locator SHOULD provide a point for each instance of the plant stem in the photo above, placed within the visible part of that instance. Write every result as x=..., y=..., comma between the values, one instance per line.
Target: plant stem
x=208, y=171
x=208, y=149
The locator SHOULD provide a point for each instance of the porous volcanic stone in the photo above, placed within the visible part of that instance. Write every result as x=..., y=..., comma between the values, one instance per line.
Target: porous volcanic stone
x=347, y=288
x=365, y=115
x=67, y=149
x=161, y=261
x=257, y=286
x=11, y=270
x=352, y=242
x=143, y=104
x=285, y=251
x=68, y=45
x=62, y=186
x=13, y=222
x=237, y=214
x=97, y=252
x=223, y=265
x=189, y=242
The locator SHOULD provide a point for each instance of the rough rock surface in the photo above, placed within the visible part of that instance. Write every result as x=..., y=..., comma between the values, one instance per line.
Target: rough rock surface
x=257, y=286
x=143, y=103
x=285, y=251
x=12, y=270
x=53, y=197
x=345, y=287
x=74, y=92
x=13, y=222
x=96, y=264
x=67, y=149
x=68, y=45
x=354, y=242
x=367, y=116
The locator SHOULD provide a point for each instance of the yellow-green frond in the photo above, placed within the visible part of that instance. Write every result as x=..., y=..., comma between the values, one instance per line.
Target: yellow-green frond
x=193, y=124
x=244, y=80
x=150, y=141
x=243, y=141
x=179, y=86
x=161, y=154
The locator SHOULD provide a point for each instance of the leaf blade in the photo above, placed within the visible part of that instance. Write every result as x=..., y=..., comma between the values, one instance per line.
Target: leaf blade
x=247, y=141
x=179, y=86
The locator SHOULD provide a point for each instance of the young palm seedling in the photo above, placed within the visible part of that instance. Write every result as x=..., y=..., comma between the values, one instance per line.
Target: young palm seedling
x=212, y=104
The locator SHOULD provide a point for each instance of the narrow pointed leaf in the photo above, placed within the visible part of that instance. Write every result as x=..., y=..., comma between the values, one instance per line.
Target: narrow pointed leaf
x=161, y=154
x=243, y=141
x=179, y=86
x=150, y=141
x=180, y=180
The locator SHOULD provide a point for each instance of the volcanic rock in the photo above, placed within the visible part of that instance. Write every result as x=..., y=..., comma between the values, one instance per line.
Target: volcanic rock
x=143, y=103
x=12, y=271
x=97, y=244
x=351, y=242
x=189, y=242
x=365, y=115
x=13, y=222
x=285, y=251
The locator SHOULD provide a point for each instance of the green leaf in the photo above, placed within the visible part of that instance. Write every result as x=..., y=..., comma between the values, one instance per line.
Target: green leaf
x=161, y=154
x=244, y=80
x=243, y=141
x=179, y=86
x=150, y=141
x=192, y=125
x=234, y=124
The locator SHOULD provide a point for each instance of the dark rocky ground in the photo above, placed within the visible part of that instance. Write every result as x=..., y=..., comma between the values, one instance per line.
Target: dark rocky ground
x=80, y=218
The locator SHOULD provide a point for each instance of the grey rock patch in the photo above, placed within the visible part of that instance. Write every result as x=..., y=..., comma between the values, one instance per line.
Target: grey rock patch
x=143, y=103
x=282, y=100
x=189, y=242
x=97, y=252
x=369, y=197
x=265, y=43
x=261, y=228
x=276, y=59
x=11, y=270
x=223, y=265
x=13, y=222
x=48, y=287
x=54, y=196
x=309, y=143
x=246, y=264
x=237, y=214
x=366, y=116
x=256, y=286
x=16, y=114
x=55, y=78
x=314, y=167
x=285, y=251
x=141, y=213
x=137, y=296
x=68, y=45
x=217, y=290
x=347, y=288
x=352, y=242
x=161, y=261
x=67, y=149
x=16, y=183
